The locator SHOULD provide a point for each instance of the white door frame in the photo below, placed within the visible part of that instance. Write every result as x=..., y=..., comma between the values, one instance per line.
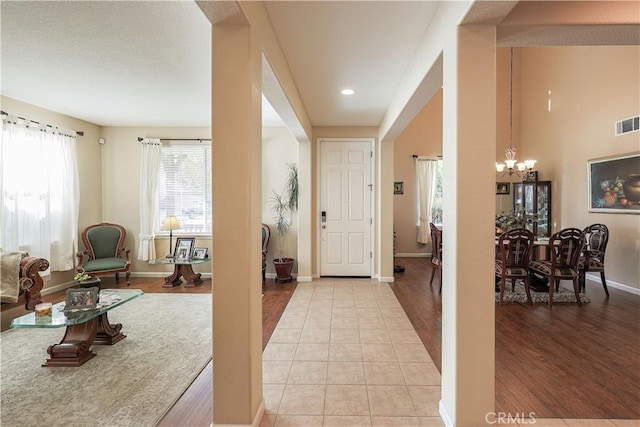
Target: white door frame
x=372, y=239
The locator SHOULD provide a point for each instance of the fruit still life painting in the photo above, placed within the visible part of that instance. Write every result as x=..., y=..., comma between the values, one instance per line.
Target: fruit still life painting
x=614, y=184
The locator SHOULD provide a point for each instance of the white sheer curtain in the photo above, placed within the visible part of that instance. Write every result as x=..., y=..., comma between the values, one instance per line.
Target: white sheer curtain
x=40, y=192
x=426, y=168
x=149, y=177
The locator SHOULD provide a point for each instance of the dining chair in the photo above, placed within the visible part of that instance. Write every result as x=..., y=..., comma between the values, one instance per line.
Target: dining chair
x=595, y=237
x=514, y=252
x=436, y=253
x=565, y=247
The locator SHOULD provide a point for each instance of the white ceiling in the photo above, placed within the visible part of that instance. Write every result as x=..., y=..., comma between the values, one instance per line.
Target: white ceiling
x=138, y=63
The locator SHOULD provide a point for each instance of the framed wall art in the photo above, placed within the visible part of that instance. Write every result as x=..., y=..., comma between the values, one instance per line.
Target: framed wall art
x=503, y=188
x=398, y=187
x=614, y=184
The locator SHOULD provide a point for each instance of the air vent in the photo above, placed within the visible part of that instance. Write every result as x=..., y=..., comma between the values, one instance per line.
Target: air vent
x=632, y=124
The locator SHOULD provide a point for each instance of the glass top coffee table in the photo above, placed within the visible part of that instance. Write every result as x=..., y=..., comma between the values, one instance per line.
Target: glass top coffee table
x=83, y=327
x=181, y=269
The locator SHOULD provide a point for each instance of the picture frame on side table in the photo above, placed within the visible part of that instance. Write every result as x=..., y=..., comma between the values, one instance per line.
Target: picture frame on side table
x=199, y=254
x=614, y=184
x=184, y=249
x=81, y=299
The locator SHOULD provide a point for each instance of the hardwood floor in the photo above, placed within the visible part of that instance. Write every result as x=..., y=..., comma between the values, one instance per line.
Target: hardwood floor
x=564, y=362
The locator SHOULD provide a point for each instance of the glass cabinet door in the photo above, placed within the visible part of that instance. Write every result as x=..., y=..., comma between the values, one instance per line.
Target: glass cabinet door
x=534, y=200
x=543, y=228
x=529, y=206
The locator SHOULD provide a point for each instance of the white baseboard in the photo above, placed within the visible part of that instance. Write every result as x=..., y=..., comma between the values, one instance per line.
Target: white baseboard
x=446, y=419
x=59, y=287
x=161, y=274
x=412, y=255
x=610, y=283
x=305, y=279
x=384, y=279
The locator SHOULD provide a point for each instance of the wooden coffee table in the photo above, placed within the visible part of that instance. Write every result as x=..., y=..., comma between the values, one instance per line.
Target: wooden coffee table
x=83, y=328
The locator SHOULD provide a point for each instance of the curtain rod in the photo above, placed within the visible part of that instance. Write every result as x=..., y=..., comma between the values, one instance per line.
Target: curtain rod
x=179, y=139
x=415, y=156
x=78, y=132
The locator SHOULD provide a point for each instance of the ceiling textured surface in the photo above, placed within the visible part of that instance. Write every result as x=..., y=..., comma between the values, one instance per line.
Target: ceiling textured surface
x=136, y=63
x=363, y=45
x=111, y=63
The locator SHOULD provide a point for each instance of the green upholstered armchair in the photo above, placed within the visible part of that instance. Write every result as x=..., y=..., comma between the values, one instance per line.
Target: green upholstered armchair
x=105, y=252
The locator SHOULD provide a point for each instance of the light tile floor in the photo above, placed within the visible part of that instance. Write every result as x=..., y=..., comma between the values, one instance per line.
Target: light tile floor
x=345, y=354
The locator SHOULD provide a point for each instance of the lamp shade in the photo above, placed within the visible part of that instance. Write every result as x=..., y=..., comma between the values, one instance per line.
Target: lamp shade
x=171, y=223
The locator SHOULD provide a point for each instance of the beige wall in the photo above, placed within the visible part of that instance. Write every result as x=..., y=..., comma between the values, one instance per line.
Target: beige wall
x=89, y=154
x=588, y=96
x=591, y=88
x=279, y=148
x=121, y=188
x=422, y=137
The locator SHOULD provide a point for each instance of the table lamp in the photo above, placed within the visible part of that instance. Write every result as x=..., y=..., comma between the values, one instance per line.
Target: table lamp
x=170, y=223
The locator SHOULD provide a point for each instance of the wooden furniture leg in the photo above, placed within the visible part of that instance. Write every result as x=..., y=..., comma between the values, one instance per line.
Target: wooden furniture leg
x=108, y=334
x=186, y=271
x=75, y=347
x=174, y=279
x=193, y=279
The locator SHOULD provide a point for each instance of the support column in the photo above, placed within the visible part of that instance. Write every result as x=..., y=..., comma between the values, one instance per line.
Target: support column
x=236, y=167
x=384, y=214
x=468, y=301
x=305, y=214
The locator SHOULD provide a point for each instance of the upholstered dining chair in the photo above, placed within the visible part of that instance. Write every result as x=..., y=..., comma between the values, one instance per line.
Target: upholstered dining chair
x=436, y=254
x=596, y=237
x=514, y=254
x=266, y=234
x=565, y=247
x=105, y=252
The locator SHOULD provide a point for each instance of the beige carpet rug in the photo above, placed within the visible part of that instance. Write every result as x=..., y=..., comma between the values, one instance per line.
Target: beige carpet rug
x=132, y=383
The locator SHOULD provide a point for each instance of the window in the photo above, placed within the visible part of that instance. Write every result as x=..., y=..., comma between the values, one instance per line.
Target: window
x=39, y=191
x=436, y=211
x=184, y=188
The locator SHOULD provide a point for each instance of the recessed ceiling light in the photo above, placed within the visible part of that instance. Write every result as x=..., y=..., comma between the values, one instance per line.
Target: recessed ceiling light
x=347, y=91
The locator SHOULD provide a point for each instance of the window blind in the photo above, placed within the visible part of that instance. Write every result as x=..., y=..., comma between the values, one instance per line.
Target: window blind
x=185, y=186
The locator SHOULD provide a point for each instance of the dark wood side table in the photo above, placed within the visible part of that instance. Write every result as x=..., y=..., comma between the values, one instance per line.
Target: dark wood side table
x=181, y=270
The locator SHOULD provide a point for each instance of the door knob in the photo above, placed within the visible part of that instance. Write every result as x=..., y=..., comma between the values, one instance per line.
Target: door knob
x=324, y=226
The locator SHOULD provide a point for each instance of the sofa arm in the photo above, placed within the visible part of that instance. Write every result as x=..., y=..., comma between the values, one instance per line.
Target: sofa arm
x=31, y=282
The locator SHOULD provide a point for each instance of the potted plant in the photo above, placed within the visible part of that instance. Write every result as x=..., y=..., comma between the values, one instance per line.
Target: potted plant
x=283, y=205
x=85, y=280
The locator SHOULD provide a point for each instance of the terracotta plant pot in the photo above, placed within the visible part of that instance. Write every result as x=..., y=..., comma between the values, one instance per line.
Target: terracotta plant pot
x=283, y=269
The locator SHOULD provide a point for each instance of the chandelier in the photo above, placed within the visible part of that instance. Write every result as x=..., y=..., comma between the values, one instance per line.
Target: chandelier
x=511, y=165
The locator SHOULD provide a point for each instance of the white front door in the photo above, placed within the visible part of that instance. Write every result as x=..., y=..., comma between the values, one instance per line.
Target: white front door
x=345, y=205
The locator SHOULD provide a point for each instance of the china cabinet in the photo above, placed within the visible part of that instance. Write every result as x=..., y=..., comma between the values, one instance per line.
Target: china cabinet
x=533, y=200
